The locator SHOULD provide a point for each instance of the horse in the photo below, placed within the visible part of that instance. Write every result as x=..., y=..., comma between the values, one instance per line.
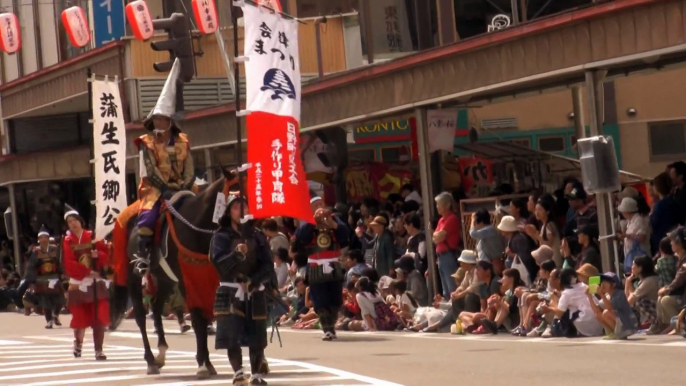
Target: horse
x=181, y=256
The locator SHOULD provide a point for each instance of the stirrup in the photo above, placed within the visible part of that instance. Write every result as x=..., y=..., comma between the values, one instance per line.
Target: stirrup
x=141, y=265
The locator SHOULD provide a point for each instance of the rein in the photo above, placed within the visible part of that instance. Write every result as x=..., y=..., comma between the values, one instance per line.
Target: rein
x=179, y=217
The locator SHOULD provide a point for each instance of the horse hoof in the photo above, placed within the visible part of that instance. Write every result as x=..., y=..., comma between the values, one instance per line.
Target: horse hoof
x=161, y=358
x=264, y=367
x=203, y=372
x=153, y=370
x=211, y=369
x=159, y=363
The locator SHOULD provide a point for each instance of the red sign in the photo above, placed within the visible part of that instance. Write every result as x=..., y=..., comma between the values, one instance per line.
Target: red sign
x=75, y=22
x=375, y=180
x=206, y=15
x=138, y=15
x=277, y=185
x=10, y=39
x=475, y=173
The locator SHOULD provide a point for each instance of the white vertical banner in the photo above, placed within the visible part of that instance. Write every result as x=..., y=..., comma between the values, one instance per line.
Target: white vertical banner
x=109, y=150
x=441, y=125
x=273, y=68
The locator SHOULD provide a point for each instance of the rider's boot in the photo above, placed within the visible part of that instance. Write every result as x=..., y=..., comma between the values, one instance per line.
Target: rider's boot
x=142, y=262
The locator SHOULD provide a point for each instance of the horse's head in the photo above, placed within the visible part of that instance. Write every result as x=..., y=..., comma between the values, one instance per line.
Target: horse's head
x=230, y=180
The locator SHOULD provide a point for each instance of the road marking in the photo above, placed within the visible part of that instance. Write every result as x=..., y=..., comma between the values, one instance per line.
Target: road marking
x=52, y=365
x=11, y=342
x=636, y=340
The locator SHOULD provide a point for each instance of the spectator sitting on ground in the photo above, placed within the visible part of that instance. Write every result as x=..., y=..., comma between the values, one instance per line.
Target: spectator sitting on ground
x=351, y=310
x=415, y=282
x=299, y=308
x=405, y=304
x=489, y=296
x=308, y=319
x=367, y=296
x=644, y=298
x=518, y=245
x=354, y=263
x=549, y=301
x=503, y=309
x=7, y=294
x=574, y=305
x=532, y=296
x=617, y=317
x=671, y=297
x=465, y=298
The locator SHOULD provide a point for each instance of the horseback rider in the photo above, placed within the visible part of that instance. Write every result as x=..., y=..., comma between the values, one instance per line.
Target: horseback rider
x=323, y=245
x=166, y=166
x=43, y=276
x=241, y=255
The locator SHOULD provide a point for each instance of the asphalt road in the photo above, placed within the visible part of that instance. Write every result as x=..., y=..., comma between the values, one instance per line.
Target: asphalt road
x=31, y=355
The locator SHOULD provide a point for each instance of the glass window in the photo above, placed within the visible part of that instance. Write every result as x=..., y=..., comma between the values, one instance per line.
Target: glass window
x=362, y=155
x=551, y=144
x=391, y=154
x=667, y=139
x=525, y=142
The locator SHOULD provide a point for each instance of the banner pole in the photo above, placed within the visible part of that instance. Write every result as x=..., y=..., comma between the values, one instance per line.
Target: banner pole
x=92, y=152
x=237, y=101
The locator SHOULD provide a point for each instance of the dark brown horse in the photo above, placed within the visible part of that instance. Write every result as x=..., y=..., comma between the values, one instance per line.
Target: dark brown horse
x=181, y=256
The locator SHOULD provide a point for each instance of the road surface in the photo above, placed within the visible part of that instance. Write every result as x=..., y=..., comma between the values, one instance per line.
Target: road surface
x=32, y=355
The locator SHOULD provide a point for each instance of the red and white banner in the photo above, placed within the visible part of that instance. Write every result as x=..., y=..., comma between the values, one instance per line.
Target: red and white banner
x=277, y=185
x=477, y=176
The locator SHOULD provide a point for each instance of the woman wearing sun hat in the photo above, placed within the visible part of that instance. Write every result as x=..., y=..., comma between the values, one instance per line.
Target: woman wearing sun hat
x=518, y=244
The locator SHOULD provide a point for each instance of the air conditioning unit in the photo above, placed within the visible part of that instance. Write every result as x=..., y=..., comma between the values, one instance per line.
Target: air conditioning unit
x=499, y=123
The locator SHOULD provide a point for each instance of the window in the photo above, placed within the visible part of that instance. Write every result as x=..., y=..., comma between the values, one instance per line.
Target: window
x=551, y=144
x=525, y=142
x=362, y=155
x=667, y=139
x=396, y=154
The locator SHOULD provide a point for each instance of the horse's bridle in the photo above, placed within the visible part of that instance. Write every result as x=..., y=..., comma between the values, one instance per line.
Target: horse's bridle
x=178, y=216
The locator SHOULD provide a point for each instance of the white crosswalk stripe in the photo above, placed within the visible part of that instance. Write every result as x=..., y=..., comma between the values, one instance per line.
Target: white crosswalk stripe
x=37, y=362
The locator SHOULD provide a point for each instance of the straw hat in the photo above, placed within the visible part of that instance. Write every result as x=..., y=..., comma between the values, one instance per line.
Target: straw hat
x=380, y=221
x=543, y=254
x=628, y=205
x=508, y=224
x=588, y=270
x=467, y=256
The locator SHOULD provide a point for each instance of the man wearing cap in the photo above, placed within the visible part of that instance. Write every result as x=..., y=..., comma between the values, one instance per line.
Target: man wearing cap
x=616, y=316
x=322, y=245
x=590, y=252
x=166, y=166
x=43, y=276
x=583, y=213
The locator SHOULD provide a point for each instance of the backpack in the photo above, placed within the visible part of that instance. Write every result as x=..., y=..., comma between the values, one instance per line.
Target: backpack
x=385, y=319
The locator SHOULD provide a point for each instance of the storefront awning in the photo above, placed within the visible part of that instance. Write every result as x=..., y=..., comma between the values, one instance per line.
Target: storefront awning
x=503, y=151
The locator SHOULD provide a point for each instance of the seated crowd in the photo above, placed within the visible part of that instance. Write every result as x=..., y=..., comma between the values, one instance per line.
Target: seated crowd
x=536, y=273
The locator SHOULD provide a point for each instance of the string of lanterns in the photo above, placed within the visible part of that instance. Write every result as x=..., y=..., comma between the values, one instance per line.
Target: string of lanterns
x=75, y=22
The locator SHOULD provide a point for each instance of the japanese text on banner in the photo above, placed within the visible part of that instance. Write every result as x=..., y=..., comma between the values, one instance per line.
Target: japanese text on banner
x=273, y=70
x=109, y=145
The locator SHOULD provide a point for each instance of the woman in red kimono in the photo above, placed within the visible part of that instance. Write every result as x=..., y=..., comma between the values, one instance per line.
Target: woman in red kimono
x=85, y=262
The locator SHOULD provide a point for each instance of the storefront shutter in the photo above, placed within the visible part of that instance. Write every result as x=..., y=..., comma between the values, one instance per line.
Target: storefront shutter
x=48, y=133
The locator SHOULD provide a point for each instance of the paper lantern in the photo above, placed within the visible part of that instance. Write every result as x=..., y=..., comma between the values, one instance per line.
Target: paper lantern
x=75, y=22
x=138, y=15
x=206, y=15
x=10, y=38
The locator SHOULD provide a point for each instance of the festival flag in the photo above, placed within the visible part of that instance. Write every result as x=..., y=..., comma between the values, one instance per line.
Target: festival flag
x=277, y=185
x=109, y=149
x=477, y=176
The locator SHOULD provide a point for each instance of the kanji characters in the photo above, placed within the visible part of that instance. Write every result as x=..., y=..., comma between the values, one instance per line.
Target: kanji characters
x=109, y=131
x=110, y=161
x=110, y=190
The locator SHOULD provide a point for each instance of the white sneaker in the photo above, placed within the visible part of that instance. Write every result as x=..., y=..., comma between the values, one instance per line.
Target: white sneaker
x=548, y=333
x=534, y=333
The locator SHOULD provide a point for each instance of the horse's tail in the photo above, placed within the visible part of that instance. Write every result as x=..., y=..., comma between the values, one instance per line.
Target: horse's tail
x=120, y=241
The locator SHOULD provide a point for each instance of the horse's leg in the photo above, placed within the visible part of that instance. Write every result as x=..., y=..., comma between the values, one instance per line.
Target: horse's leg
x=157, y=310
x=205, y=368
x=136, y=292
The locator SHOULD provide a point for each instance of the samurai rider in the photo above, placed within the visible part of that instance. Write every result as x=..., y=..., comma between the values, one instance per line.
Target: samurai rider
x=43, y=276
x=241, y=255
x=323, y=245
x=166, y=166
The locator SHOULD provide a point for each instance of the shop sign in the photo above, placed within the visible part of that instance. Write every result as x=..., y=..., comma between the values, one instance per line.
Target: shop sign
x=375, y=180
x=476, y=175
x=399, y=130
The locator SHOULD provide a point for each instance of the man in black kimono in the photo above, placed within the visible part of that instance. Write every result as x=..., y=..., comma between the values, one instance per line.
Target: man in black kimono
x=43, y=276
x=242, y=257
x=323, y=245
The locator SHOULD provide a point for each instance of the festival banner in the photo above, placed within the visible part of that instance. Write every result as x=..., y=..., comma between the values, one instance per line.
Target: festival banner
x=375, y=180
x=441, y=126
x=109, y=149
x=477, y=176
x=277, y=184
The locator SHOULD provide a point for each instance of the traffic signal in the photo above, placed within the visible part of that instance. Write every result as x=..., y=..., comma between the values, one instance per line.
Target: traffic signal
x=179, y=45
